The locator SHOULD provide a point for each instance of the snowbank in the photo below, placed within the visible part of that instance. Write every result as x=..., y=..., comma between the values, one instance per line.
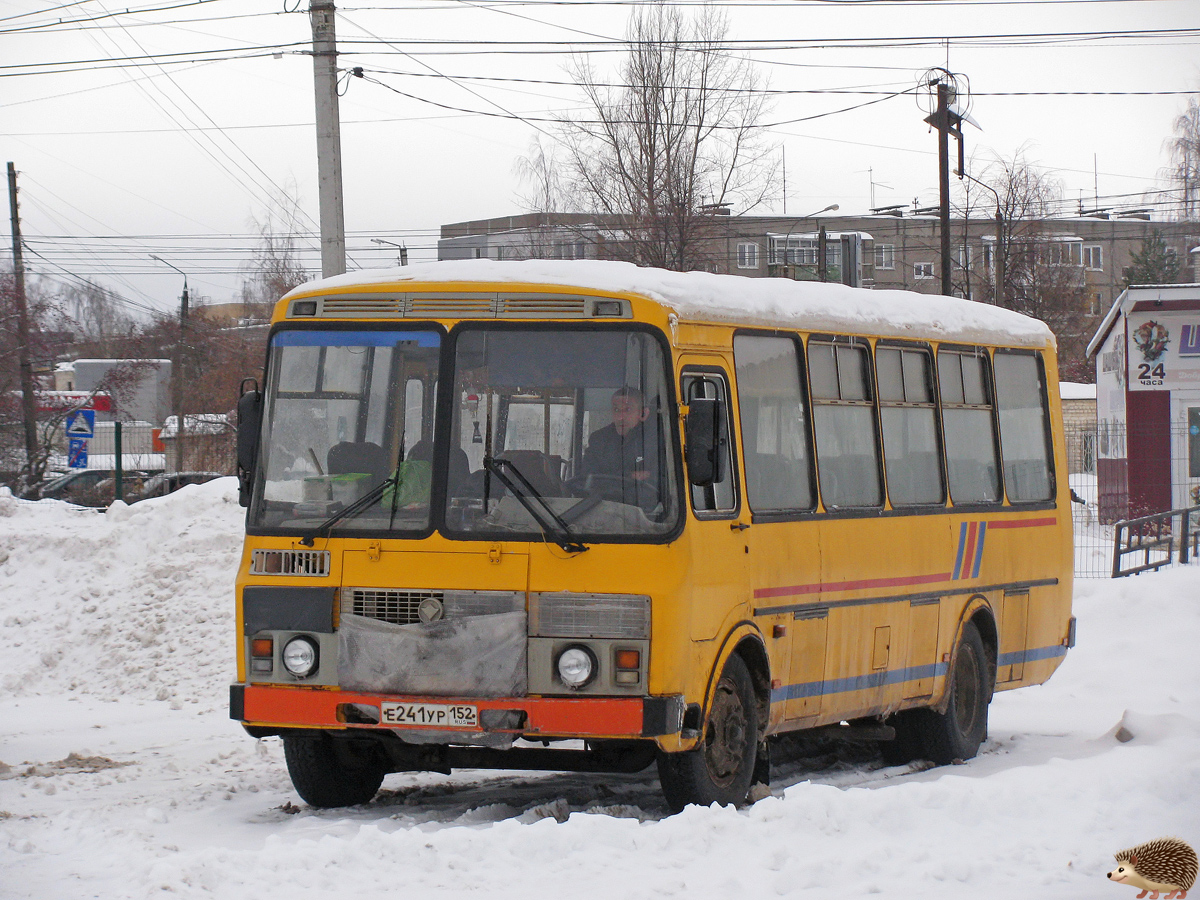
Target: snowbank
x=111, y=792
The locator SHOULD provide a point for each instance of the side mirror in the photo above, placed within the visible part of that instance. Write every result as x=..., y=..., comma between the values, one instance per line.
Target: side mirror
x=704, y=437
x=249, y=424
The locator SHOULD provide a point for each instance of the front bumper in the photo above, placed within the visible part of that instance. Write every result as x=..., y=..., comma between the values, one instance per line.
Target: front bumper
x=265, y=709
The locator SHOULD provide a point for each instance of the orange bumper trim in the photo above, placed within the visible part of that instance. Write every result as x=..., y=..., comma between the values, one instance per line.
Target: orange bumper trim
x=552, y=716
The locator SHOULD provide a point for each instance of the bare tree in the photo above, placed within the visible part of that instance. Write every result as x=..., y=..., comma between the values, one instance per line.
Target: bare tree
x=1043, y=274
x=97, y=316
x=680, y=133
x=275, y=267
x=1184, y=148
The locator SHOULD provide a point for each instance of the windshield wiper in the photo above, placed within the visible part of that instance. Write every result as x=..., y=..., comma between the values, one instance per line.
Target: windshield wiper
x=357, y=506
x=548, y=520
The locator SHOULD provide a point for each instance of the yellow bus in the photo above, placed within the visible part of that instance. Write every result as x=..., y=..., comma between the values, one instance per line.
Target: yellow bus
x=593, y=517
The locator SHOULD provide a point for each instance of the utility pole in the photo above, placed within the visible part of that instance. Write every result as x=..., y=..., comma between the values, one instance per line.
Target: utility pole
x=28, y=402
x=177, y=366
x=329, y=139
x=947, y=122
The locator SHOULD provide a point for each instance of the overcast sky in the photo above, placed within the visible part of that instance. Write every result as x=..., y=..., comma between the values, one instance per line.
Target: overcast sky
x=168, y=129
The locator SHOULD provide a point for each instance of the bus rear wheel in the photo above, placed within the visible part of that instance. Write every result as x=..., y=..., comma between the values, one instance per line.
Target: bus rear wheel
x=958, y=732
x=721, y=767
x=328, y=773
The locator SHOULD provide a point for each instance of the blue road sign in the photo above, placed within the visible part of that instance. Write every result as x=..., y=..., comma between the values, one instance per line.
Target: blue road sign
x=81, y=423
x=77, y=453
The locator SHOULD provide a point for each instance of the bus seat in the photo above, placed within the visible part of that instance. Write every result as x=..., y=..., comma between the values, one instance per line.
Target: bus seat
x=358, y=456
x=538, y=470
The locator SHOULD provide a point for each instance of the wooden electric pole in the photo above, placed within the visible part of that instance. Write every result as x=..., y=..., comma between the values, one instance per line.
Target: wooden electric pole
x=28, y=400
x=948, y=122
x=329, y=138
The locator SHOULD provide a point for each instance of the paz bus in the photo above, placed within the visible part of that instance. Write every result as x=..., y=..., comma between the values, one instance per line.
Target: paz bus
x=586, y=516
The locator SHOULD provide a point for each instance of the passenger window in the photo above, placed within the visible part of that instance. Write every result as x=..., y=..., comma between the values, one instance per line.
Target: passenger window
x=910, y=441
x=967, y=425
x=844, y=421
x=774, y=424
x=721, y=496
x=1024, y=426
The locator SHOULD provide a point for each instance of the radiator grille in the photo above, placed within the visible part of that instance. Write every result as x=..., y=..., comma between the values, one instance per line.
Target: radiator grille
x=401, y=607
x=592, y=615
x=312, y=563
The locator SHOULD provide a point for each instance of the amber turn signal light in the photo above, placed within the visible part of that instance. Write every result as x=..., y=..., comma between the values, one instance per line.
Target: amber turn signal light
x=628, y=659
x=262, y=647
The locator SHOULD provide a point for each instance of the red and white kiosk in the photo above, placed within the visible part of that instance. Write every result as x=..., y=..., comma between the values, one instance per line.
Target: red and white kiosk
x=1147, y=354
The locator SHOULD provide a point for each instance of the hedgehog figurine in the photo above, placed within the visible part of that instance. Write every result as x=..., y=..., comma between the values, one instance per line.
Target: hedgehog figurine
x=1166, y=866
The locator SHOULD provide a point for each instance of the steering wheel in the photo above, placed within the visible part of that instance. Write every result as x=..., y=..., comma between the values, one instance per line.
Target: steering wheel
x=641, y=492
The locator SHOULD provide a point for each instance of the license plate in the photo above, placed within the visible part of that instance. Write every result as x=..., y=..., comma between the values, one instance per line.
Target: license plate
x=430, y=715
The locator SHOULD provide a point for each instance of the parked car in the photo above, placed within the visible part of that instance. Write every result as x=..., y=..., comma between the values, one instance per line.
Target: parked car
x=169, y=482
x=87, y=487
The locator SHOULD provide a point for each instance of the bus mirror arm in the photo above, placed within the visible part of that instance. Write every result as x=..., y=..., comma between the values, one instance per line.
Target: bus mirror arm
x=702, y=440
x=249, y=425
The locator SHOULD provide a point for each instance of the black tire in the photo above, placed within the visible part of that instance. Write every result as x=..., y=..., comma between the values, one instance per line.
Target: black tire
x=958, y=732
x=721, y=767
x=326, y=775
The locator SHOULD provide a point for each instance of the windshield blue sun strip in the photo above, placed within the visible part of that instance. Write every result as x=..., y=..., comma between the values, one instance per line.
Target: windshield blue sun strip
x=306, y=338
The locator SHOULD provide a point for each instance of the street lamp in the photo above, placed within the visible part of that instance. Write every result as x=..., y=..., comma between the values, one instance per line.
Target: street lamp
x=1000, y=252
x=177, y=365
x=401, y=257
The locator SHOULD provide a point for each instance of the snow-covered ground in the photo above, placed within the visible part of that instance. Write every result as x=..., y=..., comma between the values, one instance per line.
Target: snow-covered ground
x=124, y=778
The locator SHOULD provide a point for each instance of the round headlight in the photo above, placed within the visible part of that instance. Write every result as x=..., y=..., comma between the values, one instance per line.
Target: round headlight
x=576, y=666
x=300, y=656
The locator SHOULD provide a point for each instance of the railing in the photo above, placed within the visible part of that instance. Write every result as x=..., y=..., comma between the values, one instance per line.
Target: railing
x=1157, y=539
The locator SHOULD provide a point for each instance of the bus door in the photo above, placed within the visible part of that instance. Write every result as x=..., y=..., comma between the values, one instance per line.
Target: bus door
x=718, y=552
x=782, y=547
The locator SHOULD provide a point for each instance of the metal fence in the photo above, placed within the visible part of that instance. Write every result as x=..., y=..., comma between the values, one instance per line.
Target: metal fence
x=1122, y=533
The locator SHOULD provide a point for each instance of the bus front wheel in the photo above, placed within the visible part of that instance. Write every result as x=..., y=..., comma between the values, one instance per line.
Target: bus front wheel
x=328, y=773
x=721, y=767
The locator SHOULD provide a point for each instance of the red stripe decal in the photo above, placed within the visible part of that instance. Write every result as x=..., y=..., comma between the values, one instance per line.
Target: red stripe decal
x=969, y=553
x=1022, y=523
x=831, y=586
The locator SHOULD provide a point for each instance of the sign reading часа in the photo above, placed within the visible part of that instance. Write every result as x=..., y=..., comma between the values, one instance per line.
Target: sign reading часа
x=1164, y=351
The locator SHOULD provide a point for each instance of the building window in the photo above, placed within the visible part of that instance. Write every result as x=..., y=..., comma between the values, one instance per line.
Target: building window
x=922, y=271
x=747, y=256
x=885, y=256
x=1093, y=257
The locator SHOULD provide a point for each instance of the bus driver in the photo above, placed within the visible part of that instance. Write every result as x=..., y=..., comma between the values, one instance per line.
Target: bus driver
x=628, y=448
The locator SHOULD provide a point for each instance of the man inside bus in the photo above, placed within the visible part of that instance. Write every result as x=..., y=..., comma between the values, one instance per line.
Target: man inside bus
x=626, y=452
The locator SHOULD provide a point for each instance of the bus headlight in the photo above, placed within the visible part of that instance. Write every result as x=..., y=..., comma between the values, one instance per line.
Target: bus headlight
x=576, y=666
x=300, y=656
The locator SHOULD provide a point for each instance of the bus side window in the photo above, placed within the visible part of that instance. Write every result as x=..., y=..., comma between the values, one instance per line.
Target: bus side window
x=844, y=422
x=774, y=414
x=1024, y=426
x=968, y=427
x=721, y=496
x=910, y=440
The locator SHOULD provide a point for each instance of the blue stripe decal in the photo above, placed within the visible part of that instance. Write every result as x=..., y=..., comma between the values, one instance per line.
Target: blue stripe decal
x=962, y=547
x=897, y=676
x=979, y=548
x=856, y=683
x=1032, y=655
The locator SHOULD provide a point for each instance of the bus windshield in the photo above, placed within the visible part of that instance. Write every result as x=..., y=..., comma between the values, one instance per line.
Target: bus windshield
x=348, y=412
x=572, y=420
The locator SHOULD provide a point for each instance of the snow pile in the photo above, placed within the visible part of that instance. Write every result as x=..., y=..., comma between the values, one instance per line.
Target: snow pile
x=106, y=791
x=136, y=601
x=705, y=297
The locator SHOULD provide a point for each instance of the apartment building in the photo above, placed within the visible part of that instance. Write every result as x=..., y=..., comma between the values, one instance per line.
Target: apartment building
x=873, y=251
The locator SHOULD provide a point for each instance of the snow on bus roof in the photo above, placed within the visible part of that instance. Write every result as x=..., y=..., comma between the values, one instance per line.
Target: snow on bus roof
x=704, y=297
